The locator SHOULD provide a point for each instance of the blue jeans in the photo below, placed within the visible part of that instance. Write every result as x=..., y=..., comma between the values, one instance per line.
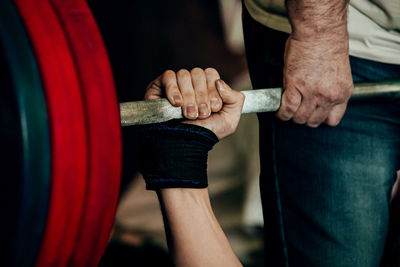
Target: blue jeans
x=325, y=191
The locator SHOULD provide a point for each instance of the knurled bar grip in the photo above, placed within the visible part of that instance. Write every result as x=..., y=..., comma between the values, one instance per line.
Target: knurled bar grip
x=262, y=100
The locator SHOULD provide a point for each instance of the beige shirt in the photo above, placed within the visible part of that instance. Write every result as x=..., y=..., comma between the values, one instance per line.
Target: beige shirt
x=373, y=26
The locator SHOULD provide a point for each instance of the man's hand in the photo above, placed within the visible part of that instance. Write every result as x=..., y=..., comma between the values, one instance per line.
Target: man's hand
x=205, y=99
x=317, y=75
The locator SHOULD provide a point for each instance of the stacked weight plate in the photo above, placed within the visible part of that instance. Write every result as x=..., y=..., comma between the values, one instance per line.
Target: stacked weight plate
x=25, y=144
x=62, y=129
x=103, y=123
x=67, y=129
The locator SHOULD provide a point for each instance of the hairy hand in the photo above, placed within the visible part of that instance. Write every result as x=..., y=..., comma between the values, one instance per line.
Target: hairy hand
x=205, y=99
x=317, y=76
x=317, y=81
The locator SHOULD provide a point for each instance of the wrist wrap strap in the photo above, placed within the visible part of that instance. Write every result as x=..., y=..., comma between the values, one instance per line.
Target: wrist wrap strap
x=174, y=155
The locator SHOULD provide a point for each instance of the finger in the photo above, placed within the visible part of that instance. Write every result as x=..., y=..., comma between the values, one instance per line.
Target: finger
x=336, y=114
x=233, y=100
x=228, y=117
x=291, y=99
x=318, y=116
x=170, y=84
x=153, y=90
x=189, y=107
x=306, y=108
x=215, y=99
x=200, y=89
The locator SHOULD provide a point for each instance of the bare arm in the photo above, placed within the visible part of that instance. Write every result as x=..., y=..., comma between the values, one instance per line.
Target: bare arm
x=194, y=235
x=317, y=75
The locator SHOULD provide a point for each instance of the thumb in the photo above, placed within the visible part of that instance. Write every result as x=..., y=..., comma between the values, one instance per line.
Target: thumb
x=230, y=98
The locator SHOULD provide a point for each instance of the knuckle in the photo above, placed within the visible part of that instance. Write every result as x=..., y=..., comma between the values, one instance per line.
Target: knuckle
x=201, y=96
x=313, y=124
x=212, y=89
x=188, y=97
x=150, y=94
x=215, y=97
x=283, y=115
x=349, y=91
x=214, y=94
x=332, y=96
x=171, y=88
x=146, y=95
x=182, y=73
x=168, y=73
x=153, y=85
x=292, y=99
x=196, y=71
x=289, y=108
x=333, y=122
x=210, y=70
x=241, y=97
x=230, y=127
x=152, y=90
x=299, y=119
x=351, y=88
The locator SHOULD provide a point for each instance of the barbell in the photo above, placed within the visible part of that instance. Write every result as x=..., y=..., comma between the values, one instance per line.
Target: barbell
x=256, y=101
x=60, y=123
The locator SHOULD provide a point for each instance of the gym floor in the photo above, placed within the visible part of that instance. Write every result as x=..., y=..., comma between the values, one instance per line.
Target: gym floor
x=144, y=39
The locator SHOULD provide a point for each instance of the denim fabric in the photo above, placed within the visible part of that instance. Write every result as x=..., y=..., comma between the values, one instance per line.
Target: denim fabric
x=325, y=191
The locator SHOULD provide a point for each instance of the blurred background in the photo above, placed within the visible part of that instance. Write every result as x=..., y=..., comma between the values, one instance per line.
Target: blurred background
x=143, y=39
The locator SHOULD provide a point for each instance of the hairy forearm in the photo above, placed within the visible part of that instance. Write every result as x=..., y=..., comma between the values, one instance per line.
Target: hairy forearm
x=194, y=235
x=315, y=19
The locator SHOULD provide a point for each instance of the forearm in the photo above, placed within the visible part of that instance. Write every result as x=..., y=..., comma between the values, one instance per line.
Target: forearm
x=317, y=19
x=194, y=235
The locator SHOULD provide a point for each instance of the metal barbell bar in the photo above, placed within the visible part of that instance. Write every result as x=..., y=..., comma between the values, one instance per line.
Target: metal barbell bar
x=256, y=101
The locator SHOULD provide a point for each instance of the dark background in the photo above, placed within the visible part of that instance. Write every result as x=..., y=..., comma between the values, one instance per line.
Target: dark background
x=145, y=38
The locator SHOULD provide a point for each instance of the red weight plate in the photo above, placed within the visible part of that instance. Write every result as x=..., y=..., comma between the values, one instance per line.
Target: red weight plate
x=67, y=129
x=25, y=144
x=104, y=129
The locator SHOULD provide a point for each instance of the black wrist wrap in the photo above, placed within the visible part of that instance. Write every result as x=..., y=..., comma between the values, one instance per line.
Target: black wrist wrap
x=174, y=155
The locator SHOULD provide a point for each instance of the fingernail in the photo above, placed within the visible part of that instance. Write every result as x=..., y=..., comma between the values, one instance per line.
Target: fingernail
x=219, y=85
x=214, y=103
x=191, y=111
x=203, y=110
x=177, y=100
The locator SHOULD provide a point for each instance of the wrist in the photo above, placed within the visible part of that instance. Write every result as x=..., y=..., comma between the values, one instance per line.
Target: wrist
x=179, y=198
x=332, y=46
x=188, y=194
x=316, y=20
x=313, y=33
x=174, y=155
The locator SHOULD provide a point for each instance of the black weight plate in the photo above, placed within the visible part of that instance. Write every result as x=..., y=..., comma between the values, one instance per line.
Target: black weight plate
x=10, y=160
x=25, y=173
